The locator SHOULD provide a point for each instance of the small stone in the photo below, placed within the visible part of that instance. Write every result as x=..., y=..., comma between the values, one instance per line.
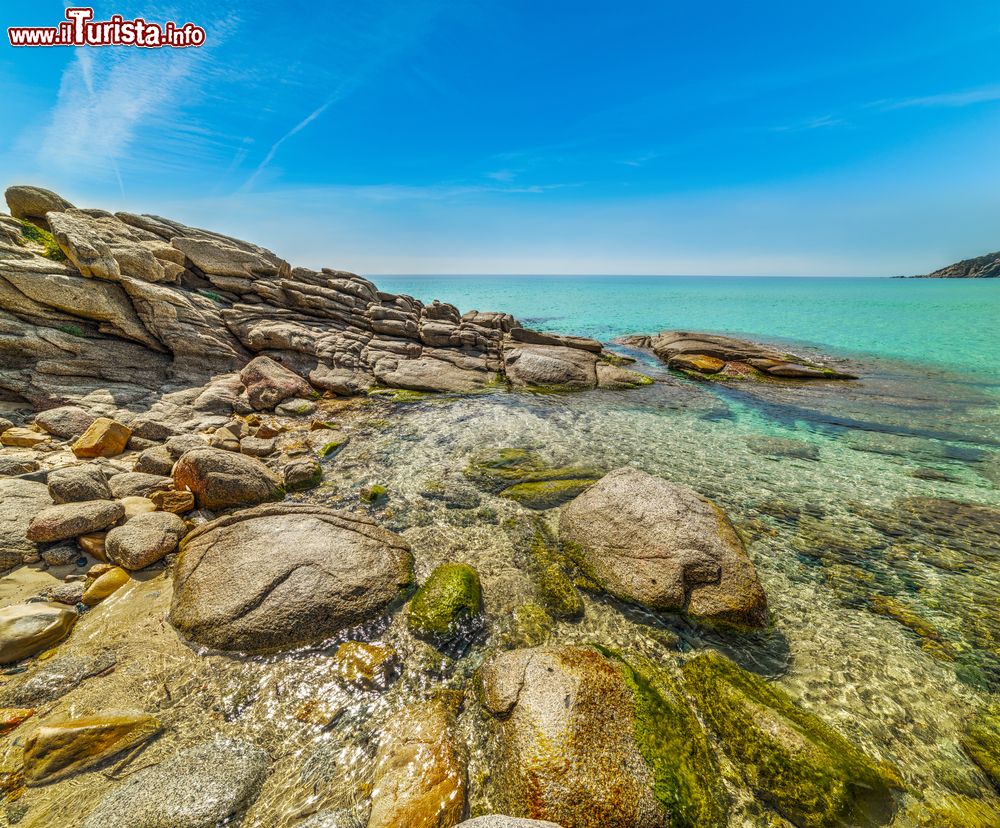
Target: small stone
x=296, y=407
x=11, y=717
x=135, y=506
x=23, y=438
x=26, y=629
x=62, y=555
x=375, y=493
x=368, y=665
x=224, y=439
x=65, y=422
x=256, y=446
x=268, y=429
x=105, y=584
x=138, y=484
x=11, y=466
x=156, y=460
x=104, y=438
x=144, y=540
x=319, y=712
x=69, y=520
x=302, y=473
x=173, y=501
x=448, y=598
x=93, y=545
x=70, y=594
x=60, y=749
x=176, y=446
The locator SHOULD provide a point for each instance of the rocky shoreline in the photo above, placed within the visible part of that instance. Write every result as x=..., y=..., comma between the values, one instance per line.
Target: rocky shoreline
x=192, y=392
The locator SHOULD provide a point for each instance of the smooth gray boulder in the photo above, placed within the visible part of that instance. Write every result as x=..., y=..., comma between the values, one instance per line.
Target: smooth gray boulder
x=32, y=203
x=144, y=539
x=70, y=520
x=199, y=787
x=65, y=421
x=661, y=545
x=285, y=574
x=74, y=484
x=20, y=500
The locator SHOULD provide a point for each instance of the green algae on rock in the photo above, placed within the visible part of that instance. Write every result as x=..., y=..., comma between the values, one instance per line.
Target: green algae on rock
x=981, y=741
x=452, y=594
x=522, y=476
x=674, y=745
x=795, y=762
x=554, y=588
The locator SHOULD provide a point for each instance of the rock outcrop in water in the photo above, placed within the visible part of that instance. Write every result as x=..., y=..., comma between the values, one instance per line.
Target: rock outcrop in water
x=124, y=306
x=710, y=356
x=981, y=267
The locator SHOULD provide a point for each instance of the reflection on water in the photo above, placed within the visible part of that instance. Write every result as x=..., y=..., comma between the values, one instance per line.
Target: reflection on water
x=874, y=522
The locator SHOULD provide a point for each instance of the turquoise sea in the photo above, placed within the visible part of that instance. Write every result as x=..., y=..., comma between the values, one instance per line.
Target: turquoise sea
x=936, y=322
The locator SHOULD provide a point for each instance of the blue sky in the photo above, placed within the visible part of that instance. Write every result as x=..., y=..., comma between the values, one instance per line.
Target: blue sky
x=499, y=136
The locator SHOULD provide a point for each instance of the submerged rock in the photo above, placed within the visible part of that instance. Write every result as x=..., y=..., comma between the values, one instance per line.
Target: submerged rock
x=26, y=629
x=198, y=787
x=368, y=665
x=981, y=741
x=522, y=476
x=449, y=597
x=55, y=678
x=496, y=821
x=59, y=749
x=223, y=479
x=663, y=546
x=419, y=773
x=565, y=747
x=795, y=763
x=280, y=575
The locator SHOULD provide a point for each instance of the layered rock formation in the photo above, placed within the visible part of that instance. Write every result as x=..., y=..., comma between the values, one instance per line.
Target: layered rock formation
x=116, y=308
x=726, y=358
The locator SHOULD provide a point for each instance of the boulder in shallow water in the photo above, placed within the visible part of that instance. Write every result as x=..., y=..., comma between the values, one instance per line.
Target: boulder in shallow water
x=419, y=774
x=663, y=546
x=450, y=596
x=26, y=629
x=144, y=540
x=285, y=574
x=69, y=520
x=523, y=476
x=794, y=762
x=59, y=749
x=223, y=479
x=199, y=787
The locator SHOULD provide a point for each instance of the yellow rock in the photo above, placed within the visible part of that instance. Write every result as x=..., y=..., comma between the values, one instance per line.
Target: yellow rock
x=93, y=544
x=173, y=501
x=63, y=748
x=104, y=585
x=104, y=438
x=136, y=505
x=26, y=629
x=698, y=362
x=23, y=437
x=11, y=717
x=318, y=712
x=364, y=664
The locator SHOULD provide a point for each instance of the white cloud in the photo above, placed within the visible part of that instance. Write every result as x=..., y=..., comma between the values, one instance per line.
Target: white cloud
x=969, y=97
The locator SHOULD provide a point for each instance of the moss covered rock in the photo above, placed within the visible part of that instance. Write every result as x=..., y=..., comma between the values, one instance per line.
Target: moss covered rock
x=554, y=588
x=795, y=763
x=982, y=742
x=450, y=596
x=522, y=476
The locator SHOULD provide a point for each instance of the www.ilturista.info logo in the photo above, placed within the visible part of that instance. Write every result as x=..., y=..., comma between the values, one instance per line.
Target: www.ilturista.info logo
x=80, y=29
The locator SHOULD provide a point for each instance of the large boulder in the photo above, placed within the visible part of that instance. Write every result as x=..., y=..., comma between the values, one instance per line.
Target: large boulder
x=26, y=629
x=663, y=546
x=792, y=760
x=285, y=574
x=594, y=741
x=20, y=500
x=74, y=484
x=419, y=773
x=268, y=383
x=199, y=787
x=550, y=366
x=222, y=479
x=144, y=540
x=60, y=749
x=70, y=520
x=65, y=421
x=103, y=438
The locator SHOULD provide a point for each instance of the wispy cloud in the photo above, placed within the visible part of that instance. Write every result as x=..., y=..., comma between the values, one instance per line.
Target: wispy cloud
x=822, y=122
x=968, y=97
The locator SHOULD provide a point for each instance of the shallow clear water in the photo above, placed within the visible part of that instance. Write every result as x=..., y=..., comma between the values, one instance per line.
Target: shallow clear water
x=869, y=508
